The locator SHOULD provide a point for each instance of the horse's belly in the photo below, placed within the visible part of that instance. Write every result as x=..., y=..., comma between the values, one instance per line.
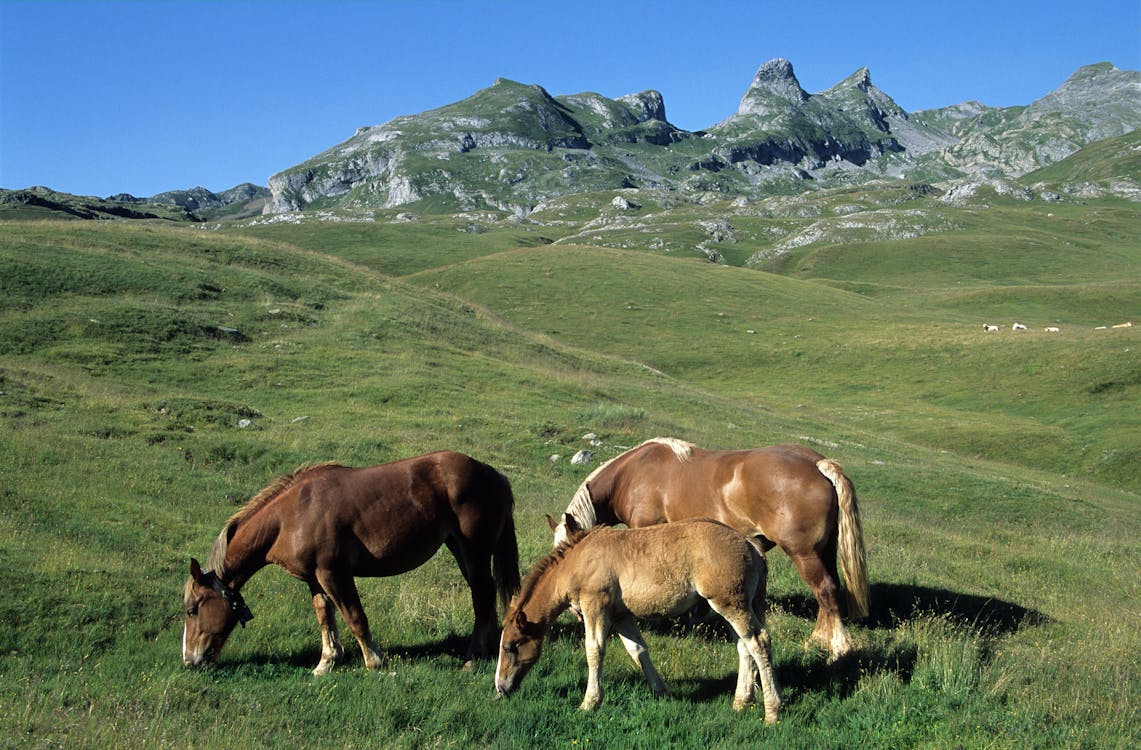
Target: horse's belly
x=394, y=558
x=654, y=601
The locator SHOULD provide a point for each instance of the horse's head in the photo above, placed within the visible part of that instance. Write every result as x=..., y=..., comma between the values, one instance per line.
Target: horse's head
x=212, y=610
x=519, y=649
x=563, y=528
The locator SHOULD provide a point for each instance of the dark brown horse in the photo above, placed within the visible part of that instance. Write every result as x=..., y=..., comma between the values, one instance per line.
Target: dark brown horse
x=784, y=495
x=327, y=524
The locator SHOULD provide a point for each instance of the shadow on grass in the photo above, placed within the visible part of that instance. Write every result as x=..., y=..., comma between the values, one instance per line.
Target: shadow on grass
x=894, y=603
x=809, y=672
x=453, y=646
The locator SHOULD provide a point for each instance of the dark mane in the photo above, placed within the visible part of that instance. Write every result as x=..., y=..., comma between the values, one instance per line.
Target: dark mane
x=217, y=560
x=539, y=569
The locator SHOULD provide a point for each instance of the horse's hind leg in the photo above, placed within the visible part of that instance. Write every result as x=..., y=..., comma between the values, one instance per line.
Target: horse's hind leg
x=331, y=651
x=821, y=574
x=760, y=648
x=476, y=569
x=627, y=630
x=745, y=694
x=342, y=589
x=753, y=639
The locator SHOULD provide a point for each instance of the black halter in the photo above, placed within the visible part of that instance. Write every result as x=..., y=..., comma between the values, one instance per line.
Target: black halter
x=232, y=597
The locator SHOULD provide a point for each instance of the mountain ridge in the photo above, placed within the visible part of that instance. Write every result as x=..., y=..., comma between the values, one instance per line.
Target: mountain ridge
x=513, y=146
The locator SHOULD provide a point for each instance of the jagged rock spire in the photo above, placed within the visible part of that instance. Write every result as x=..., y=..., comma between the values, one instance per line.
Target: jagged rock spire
x=773, y=79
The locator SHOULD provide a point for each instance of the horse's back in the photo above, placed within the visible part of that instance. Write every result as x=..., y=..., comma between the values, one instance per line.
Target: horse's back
x=389, y=518
x=768, y=491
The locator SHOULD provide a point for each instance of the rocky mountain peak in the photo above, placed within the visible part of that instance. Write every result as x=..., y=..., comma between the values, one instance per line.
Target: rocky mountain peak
x=861, y=79
x=1107, y=97
x=513, y=146
x=648, y=105
x=774, y=79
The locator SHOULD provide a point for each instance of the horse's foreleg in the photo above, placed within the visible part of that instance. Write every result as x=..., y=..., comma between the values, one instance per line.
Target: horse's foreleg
x=476, y=570
x=342, y=589
x=331, y=651
x=829, y=633
x=627, y=630
x=597, y=626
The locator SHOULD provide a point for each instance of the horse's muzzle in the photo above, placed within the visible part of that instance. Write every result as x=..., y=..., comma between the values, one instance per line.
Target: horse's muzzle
x=503, y=688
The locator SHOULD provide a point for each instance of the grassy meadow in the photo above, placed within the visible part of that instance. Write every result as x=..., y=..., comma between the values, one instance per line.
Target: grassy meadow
x=153, y=378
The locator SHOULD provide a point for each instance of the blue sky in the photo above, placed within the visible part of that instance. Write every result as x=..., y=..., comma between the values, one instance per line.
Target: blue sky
x=101, y=97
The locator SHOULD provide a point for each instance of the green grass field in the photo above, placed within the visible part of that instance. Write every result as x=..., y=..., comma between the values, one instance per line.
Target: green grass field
x=153, y=378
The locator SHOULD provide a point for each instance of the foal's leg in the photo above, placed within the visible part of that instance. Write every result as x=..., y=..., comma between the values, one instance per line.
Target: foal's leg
x=819, y=571
x=596, y=622
x=627, y=629
x=476, y=568
x=760, y=648
x=342, y=589
x=753, y=639
x=745, y=694
x=331, y=651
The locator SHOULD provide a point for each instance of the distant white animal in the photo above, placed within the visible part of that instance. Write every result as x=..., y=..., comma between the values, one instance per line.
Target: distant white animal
x=988, y=327
x=1053, y=329
x=1018, y=327
x=1128, y=324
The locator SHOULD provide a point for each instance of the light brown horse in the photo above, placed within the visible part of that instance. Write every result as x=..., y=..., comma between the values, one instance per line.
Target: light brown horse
x=611, y=576
x=327, y=524
x=784, y=495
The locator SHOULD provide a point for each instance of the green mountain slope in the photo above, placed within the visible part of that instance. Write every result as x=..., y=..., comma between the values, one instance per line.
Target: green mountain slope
x=152, y=378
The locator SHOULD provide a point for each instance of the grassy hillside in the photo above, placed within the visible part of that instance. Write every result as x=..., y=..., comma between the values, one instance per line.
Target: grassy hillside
x=1106, y=160
x=152, y=379
x=900, y=352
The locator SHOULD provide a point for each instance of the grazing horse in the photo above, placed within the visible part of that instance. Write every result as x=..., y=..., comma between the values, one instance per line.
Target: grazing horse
x=784, y=495
x=613, y=576
x=328, y=523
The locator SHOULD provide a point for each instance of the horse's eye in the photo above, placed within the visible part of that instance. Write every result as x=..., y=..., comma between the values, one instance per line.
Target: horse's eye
x=192, y=611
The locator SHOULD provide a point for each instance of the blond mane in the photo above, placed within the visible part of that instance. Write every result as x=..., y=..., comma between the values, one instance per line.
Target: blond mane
x=217, y=559
x=581, y=507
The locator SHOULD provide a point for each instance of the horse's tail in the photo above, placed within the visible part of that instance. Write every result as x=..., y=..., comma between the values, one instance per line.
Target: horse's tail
x=850, y=539
x=505, y=555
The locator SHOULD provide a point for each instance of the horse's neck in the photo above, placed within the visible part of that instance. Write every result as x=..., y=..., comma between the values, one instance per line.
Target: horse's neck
x=548, y=598
x=248, y=550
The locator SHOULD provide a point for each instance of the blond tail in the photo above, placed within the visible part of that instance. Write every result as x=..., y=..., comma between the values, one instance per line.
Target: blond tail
x=850, y=540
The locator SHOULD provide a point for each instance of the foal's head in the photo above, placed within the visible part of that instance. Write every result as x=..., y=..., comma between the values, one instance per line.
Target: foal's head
x=212, y=610
x=519, y=649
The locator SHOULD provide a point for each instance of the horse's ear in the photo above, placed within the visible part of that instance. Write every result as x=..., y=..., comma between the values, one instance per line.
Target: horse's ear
x=552, y=522
x=570, y=524
x=195, y=570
